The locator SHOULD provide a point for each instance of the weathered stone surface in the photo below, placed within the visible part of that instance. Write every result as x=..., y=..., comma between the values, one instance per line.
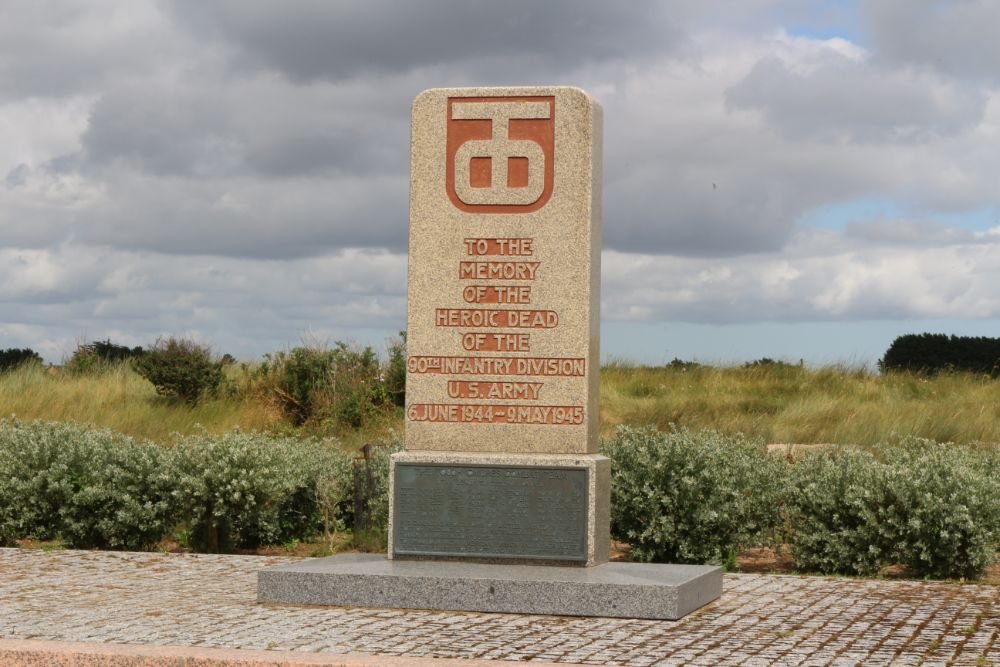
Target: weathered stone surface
x=504, y=271
x=617, y=590
x=583, y=512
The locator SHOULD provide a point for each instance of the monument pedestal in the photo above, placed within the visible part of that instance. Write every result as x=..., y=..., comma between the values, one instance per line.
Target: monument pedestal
x=499, y=507
x=617, y=590
x=494, y=532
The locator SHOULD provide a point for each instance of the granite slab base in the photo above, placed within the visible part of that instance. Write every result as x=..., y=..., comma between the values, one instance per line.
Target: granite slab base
x=618, y=590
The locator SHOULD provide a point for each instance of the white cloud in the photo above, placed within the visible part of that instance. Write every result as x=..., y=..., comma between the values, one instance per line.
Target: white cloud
x=959, y=38
x=37, y=130
x=240, y=171
x=819, y=276
x=57, y=297
x=850, y=100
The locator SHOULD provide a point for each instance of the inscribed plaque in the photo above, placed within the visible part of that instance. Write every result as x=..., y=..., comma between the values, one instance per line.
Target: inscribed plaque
x=490, y=512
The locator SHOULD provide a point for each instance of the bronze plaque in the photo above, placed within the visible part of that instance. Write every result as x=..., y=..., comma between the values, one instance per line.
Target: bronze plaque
x=479, y=511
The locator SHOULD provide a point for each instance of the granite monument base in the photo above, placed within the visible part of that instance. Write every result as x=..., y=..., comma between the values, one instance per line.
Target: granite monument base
x=619, y=590
x=500, y=506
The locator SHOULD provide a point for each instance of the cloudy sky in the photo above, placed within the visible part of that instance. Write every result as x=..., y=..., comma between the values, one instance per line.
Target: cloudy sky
x=782, y=178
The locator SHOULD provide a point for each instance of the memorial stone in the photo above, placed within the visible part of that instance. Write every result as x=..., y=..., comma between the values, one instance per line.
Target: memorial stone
x=503, y=330
x=504, y=271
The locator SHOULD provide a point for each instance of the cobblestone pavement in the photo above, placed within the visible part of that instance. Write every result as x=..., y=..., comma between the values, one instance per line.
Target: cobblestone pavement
x=203, y=600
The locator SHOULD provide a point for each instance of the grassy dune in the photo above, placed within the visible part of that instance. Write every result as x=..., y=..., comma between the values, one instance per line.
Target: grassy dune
x=119, y=399
x=777, y=403
x=790, y=404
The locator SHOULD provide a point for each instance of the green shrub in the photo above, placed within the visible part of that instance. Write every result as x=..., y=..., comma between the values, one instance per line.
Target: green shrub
x=841, y=513
x=378, y=505
x=931, y=353
x=94, y=488
x=687, y=497
x=933, y=507
x=768, y=362
x=370, y=515
x=679, y=364
x=298, y=378
x=13, y=357
x=180, y=368
x=99, y=355
x=679, y=496
x=90, y=488
x=357, y=385
x=342, y=384
x=247, y=489
x=948, y=500
x=327, y=495
x=395, y=371
x=324, y=495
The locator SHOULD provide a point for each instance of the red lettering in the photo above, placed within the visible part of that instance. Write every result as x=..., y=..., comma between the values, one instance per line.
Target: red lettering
x=502, y=247
x=534, y=366
x=479, y=318
x=541, y=415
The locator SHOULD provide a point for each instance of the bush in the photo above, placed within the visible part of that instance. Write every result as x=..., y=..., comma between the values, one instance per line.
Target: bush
x=932, y=353
x=377, y=497
x=679, y=496
x=323, y=495
x=94, y=488
x=949, y=507
x=768, y=362
x=369, y=513
x=395, y=371
x=297, y=378
x=686, y=497
x=679, y=364
x=246, y=489
x=357, y=385
x=180, y=368
x=343, y=384
x=841, y=516
x=89, y=488
x=13, y=357
x=933, y=507
x=228, y=489
x=99, y=355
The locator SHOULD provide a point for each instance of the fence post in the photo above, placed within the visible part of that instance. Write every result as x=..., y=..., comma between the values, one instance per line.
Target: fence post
x=364, y=487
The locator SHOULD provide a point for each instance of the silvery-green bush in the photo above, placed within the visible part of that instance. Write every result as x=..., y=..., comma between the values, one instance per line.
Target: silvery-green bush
x=680, y=496
x=246, y=489
x=691, y=497
x=94, y=488
x=87, y=487
x=840, y=511
x=933, y=507
x=379, y=502
x=948, y=503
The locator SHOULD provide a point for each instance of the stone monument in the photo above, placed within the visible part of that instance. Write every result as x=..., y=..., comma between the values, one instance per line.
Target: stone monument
x=501, y=500
x=502, y=331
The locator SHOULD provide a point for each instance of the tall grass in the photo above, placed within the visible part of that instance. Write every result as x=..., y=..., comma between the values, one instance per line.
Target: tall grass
x=784, y=404
x=116, y=397
x=794, y=404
